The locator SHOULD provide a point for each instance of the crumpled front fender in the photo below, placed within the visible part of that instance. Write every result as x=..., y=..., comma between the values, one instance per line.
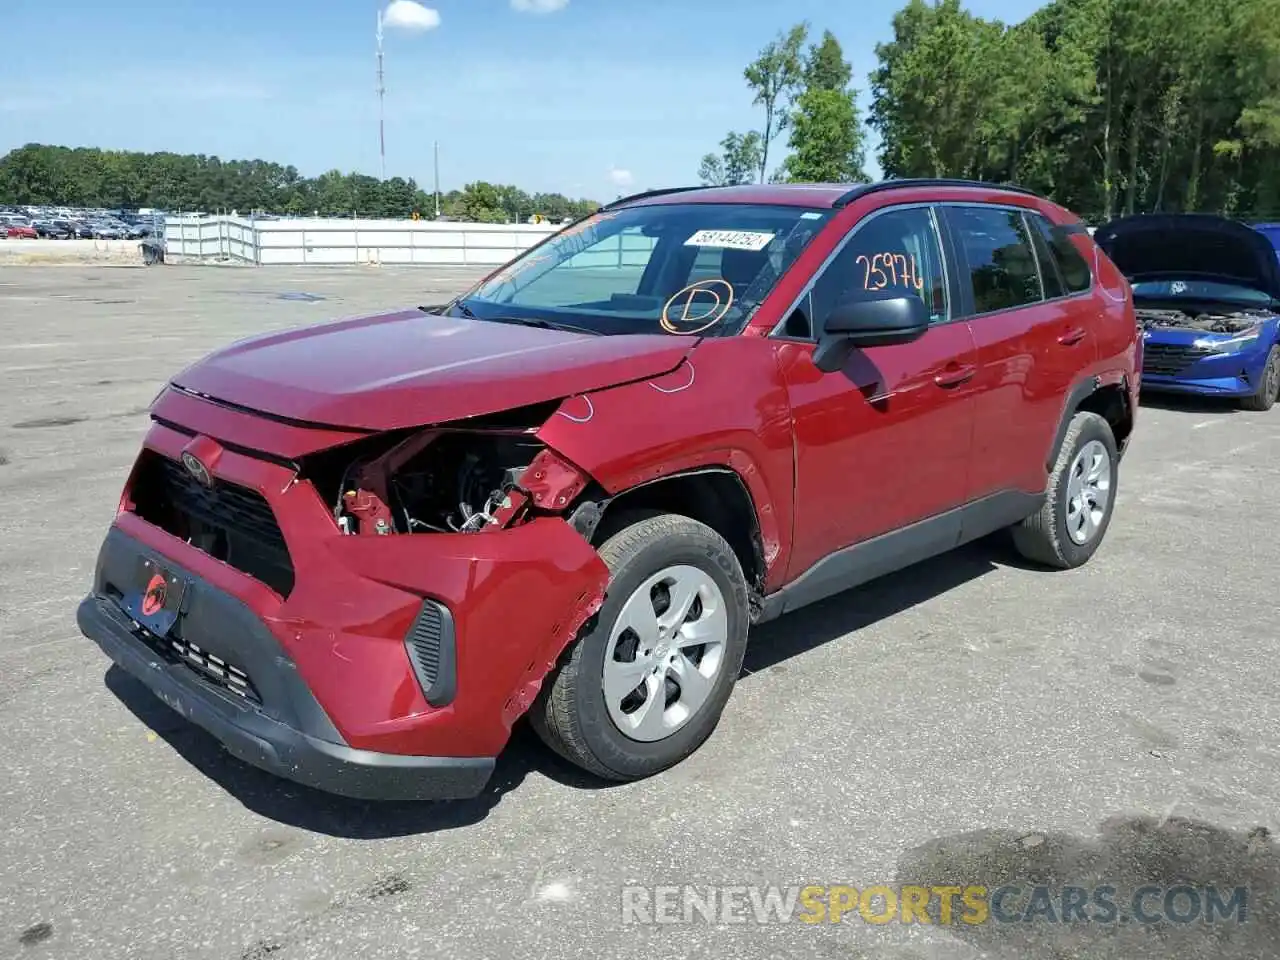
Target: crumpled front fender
x=725, y=407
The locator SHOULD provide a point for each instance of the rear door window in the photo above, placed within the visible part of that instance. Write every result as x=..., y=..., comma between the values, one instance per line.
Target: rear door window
x=1001, y=261
x=1050, y=273
x=1076, y=275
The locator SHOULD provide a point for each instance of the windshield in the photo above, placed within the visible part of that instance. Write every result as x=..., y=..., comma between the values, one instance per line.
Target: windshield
x=1199, y=290
x=690, y=268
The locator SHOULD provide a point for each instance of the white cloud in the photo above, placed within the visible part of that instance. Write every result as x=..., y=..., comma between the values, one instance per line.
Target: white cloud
x=538, y=6
x=621, y=178
x=410, y=15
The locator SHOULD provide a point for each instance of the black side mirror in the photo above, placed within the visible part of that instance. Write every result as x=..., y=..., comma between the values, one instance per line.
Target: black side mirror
x=869, y=321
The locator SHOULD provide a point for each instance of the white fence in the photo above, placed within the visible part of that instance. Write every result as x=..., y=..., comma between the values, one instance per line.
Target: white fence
x=340, y=241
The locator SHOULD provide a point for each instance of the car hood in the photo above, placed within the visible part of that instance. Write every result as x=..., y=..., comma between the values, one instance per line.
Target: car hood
x=412, y=369
x=1191, y=245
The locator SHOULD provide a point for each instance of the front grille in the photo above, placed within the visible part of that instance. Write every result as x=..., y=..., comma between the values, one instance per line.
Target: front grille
x=1170, y=359
x=213, y=668
x=230, y=523
x=207, y=666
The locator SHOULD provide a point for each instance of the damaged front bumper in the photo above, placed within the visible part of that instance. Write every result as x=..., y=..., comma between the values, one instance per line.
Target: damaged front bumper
x=393, y=668
x=289, y=735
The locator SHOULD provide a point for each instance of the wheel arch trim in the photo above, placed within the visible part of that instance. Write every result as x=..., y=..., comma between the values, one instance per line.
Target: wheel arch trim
x=1080, y=391
x=759, y=531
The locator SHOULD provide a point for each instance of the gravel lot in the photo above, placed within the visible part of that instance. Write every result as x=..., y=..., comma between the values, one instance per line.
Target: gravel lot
x=973, y=721
x=69, y=252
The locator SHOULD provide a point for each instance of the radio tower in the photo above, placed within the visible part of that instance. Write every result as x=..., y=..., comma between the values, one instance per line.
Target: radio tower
x=382, y=93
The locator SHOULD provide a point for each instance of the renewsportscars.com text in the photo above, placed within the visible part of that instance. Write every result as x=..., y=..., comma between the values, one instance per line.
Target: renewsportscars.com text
x=943, y=905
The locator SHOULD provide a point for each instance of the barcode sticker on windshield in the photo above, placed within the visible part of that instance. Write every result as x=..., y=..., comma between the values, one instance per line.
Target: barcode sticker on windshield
x=730, y=239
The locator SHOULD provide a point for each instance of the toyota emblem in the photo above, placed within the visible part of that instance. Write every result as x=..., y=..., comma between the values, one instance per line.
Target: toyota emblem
x=197, y=469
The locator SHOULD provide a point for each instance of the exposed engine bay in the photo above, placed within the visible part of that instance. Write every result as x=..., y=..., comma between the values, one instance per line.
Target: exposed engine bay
x=449, y=481
x=1227, y=321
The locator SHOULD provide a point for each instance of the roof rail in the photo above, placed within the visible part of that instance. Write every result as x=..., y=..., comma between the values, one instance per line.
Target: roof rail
x=907, y=182
x=653, y=193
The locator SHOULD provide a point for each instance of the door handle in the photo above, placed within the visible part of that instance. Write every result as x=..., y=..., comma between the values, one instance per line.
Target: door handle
x=1073, y=336
x=955, y=374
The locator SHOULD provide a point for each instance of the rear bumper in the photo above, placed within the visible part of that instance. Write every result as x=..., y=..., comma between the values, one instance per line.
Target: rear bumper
x=288, y=733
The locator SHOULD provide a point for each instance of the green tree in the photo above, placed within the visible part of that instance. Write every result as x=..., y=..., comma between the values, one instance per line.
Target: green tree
x=826, y=139
x=775, y=77
x=481, y=202
x=826, y=131
x=40, y=174
x=825, y=68
x=930, y=89
x=1109, y=106
x=739, y=160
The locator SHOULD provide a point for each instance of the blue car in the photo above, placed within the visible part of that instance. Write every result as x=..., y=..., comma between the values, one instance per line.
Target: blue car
x=1272, y=232
x=1207, y=294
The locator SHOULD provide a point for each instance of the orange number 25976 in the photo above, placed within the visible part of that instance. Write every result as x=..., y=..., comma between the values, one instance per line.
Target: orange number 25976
x=882, y=270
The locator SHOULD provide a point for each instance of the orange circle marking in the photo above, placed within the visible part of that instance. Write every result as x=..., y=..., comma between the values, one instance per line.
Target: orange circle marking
x=716, y=312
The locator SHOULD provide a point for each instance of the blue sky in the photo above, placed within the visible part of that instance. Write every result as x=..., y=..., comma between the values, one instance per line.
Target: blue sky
x=590, y=97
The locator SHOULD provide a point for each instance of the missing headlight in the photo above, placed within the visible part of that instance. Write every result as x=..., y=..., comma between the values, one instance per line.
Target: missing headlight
x=442, y=481
x=458, y=482
x=484, y=473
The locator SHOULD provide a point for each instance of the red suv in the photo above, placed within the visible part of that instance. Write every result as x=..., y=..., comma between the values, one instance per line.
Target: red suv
x=358, y=553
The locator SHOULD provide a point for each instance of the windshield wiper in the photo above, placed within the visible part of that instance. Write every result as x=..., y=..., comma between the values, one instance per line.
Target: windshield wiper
x=545, y=324
x=443, y=308
x=470, y=314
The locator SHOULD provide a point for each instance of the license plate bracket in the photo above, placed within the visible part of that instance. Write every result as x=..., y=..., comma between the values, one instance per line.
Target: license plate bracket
x=156, y=597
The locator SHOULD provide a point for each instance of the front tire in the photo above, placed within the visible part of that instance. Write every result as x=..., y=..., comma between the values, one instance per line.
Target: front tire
x=1264, y=399
x=1079, y=498
x=646, y=682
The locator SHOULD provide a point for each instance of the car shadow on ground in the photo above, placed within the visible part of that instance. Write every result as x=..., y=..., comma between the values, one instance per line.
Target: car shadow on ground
x=295, y=805
x=1189, y=403
x=1129, y=853
x=857, y=609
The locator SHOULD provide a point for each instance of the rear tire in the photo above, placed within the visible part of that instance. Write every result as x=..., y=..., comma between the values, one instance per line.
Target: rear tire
x=677, y=670
x=1079, y=498
x=1265, y=397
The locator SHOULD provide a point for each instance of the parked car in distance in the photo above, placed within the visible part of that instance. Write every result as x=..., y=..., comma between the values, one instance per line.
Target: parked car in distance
x=105, y=230
x=1207, y=293
x=53, y=229
x=357, y=553
x=17, y=227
